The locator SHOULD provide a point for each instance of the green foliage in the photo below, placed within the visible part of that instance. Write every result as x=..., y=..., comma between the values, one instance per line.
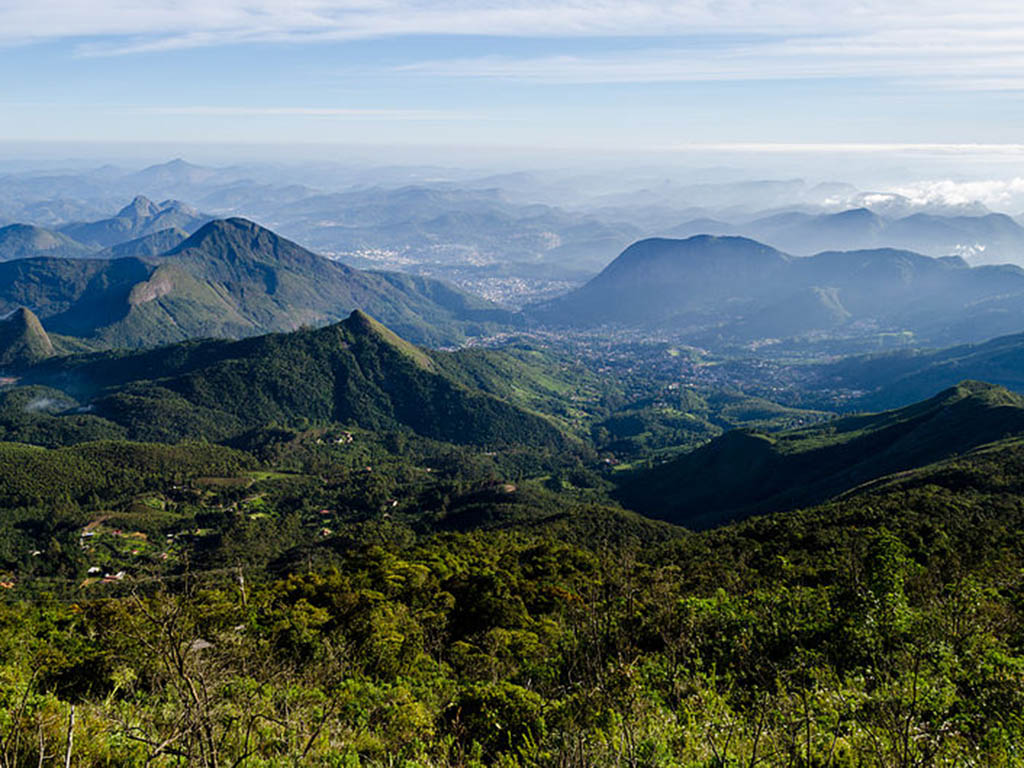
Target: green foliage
x=744, y=472
x=881, y=629
x=356, y=372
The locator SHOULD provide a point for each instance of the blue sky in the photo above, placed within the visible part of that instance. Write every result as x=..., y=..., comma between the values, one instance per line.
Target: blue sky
x=583, y=75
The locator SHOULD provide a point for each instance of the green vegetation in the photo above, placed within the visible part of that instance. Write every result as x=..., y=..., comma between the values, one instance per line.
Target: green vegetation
x=23, y=340
x=745, y=472
x=356, y=372
x=265, y=622
x=679, y=420
x=899, y=378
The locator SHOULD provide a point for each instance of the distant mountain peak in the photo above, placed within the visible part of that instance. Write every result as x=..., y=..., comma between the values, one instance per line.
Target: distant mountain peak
x=656, y=279
x=858, y=213
x=141, y=207
x=658, y=248
x=171, y=165
x=139, y=218
x=178, y=206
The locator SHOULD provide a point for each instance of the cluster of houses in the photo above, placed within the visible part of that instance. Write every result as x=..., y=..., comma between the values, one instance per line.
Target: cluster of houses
x=90, y=532
x=344, y=439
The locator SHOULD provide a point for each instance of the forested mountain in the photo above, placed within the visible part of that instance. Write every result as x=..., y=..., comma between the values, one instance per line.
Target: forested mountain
x=736, y=288
x=230, y=278
x=587, y=539
x=745, y=473
x=355, y=372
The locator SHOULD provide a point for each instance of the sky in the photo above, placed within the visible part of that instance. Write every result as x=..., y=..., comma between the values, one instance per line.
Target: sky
x=600, y=75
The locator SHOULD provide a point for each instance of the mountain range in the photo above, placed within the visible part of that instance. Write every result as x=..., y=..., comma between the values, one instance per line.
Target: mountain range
x=991, y=238
x=443, y=225
x=231, y=278
x=734, y=288
x=140, y=228
x=140, y=217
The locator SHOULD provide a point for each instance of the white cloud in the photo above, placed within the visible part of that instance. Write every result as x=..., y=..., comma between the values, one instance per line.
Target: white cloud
x=939, y=196
x=998, y=194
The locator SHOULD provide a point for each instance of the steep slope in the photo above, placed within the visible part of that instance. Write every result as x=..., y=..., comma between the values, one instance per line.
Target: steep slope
x=231, y=278
x=354, y=372
x=22, y=241
x=73, y=297
x=745, y=473
x=271, y=283
x=23, y=340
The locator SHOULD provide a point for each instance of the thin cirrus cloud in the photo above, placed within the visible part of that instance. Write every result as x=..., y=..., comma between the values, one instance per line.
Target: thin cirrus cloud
x=984, y=60
x=328, y=112
x=134, y=25
x=943, y=43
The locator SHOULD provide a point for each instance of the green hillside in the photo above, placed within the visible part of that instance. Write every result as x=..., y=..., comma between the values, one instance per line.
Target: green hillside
x=230, y=279
x=354, y=372
x=23, y=241
x=23, y=340
x=744, y=473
